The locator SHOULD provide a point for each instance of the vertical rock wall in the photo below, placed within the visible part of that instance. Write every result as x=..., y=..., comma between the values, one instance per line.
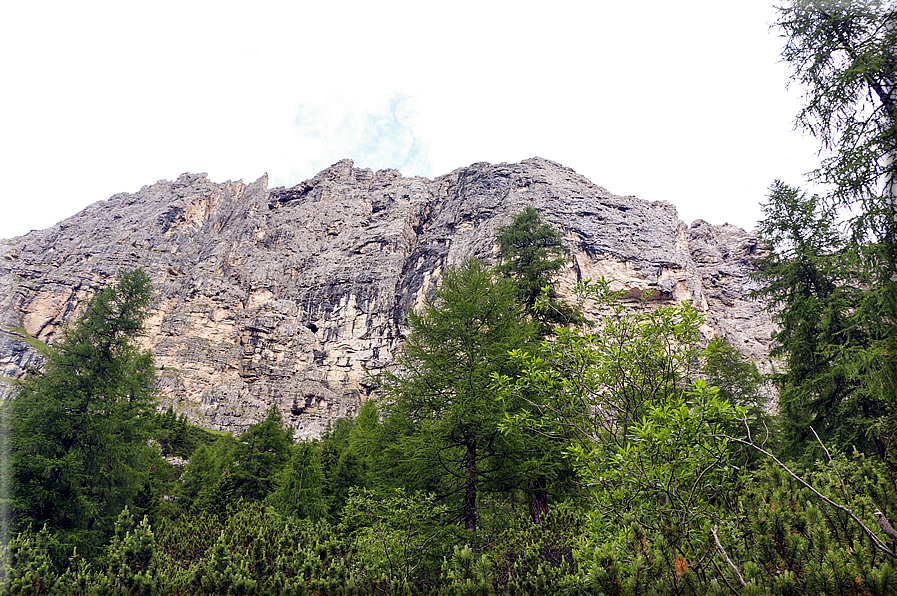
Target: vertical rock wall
x=294, y=296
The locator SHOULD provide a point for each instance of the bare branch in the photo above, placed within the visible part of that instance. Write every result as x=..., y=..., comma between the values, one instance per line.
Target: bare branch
x=875, y=539
x=719, y=546
x=832, y=462
x=885, y=525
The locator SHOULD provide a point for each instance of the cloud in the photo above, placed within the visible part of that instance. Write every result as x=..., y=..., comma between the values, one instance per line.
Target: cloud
x=378, y=136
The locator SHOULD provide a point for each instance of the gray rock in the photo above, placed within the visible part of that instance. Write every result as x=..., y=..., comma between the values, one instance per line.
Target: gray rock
x=293, y=297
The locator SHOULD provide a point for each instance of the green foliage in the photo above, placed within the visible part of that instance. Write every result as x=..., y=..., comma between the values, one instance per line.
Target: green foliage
x=206, y=467
x=779, y=540
x=842, y=54
x=254, y=550
x=80, y=424
x=737, y=378
x=828, y=327
x=131, y=562
x=441, y=388
x=148, y=501
x=740, y=383
x=300, y=485
x=467, y=574
x=184, y=541
x=797, y=544
x=281, y=556
x=636, y=358
x=538, y=558
x=30, y=562
x=261, y=453
x=177, y=437
x=386, y=461
x=532, y=255
x=343, y=466
x=218, y=498
x=673, y=474
x=396, y=539
x=644, y=438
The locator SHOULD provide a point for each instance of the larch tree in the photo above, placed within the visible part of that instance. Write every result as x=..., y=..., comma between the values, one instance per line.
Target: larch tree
x=80, y=424
x=442, y=386
x=842, y=53
x=532, y=255
x=828, y=382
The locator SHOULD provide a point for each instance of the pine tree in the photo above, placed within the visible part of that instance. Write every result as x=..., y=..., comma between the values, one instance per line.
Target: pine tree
x=442, y=387
x=827, y=326
x=206, y=465
x=343, y=466
x=261, y=453
x=532, y=255
x=842, y=54
x=299, y=489
x=80, y=424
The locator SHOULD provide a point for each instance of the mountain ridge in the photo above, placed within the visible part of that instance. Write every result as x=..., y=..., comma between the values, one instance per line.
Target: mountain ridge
x=287, y=296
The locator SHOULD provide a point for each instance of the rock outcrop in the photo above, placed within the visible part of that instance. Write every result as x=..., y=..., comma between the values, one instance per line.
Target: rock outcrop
x=287, y=296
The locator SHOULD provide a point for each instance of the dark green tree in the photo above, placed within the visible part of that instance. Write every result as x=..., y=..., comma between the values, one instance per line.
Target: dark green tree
x=343, y=466
x=532, y=255
x=261, y=453
x=148, y=501
x=205, y=468
x=388, y=449
x=178, y=437
x=843, y=55
x=217, y=499
x=80, y=425
x=442, y=387
x=300, y=485
x=827, y=327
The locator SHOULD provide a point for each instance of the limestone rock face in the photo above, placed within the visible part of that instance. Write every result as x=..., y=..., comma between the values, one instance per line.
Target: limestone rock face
x=292, y=296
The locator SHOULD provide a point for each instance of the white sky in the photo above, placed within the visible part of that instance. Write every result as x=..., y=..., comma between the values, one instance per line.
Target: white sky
x=680, y=101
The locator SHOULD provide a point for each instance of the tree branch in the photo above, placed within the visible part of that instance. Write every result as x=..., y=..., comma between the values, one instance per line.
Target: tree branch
x=719, y=546
x=875, y=539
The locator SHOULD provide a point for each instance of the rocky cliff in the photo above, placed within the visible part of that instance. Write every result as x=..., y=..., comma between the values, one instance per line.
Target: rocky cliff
x=287, y=295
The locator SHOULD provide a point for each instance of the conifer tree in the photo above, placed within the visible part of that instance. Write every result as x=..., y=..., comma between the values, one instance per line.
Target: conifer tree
x=532, y=255
x=828, y=327
x=299, y=489
x=80, y=425
x=261, y=453
x=842, y=54
x=343, y=466
x=442, y=386
x=206, y=466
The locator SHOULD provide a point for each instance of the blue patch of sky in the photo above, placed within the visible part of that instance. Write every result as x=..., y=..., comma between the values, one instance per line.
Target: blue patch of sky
x=376, y=139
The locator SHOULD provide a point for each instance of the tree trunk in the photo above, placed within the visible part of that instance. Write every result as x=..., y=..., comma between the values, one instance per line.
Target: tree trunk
x=538, y=498
x=470, y=492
